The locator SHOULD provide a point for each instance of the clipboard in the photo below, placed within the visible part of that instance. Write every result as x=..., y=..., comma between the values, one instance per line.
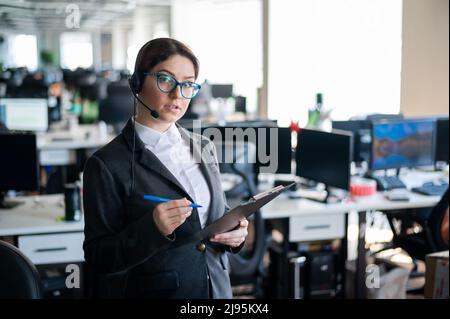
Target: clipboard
x=232, y=219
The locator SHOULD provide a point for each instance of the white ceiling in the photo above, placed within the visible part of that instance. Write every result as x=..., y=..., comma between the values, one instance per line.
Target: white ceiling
x=45, y=15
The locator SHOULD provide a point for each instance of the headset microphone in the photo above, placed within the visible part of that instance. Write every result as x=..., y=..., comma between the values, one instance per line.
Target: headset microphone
x=135, y=88
x=153, y=113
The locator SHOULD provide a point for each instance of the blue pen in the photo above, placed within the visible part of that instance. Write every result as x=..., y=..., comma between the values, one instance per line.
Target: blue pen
x=163, y=200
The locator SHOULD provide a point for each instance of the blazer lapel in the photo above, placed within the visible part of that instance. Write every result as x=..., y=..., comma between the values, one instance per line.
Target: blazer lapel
x=149, y=160
x=152, y=162
x=201, y=153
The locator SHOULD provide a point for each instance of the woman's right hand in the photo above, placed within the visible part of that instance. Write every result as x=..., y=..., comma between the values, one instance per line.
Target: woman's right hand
x=170, y=215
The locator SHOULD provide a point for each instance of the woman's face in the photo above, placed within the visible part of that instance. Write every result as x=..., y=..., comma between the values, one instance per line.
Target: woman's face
x=170, y=106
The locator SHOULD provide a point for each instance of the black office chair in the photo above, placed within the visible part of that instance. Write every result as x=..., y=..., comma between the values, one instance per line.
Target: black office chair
x=427, y=241
x=117, y=108
x=246, y=267
x=19, y=278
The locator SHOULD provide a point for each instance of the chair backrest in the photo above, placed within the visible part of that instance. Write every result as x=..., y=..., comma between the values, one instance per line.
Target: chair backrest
x=19, y=278
x=435, y=223
x=240, y=159
x=117, y=108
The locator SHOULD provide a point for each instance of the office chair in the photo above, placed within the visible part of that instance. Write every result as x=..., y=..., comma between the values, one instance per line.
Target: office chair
x=19, y=278
x=246, y=267
x=420, y=244
x=117, y=108
x=430, y=240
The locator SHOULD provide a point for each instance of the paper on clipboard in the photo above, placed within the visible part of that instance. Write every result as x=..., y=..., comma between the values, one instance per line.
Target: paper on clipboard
x=232, y=219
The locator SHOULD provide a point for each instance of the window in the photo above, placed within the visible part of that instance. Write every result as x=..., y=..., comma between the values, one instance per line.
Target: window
x=76, y=50
x=23, y=51
x=349, y=50
x=226, y=36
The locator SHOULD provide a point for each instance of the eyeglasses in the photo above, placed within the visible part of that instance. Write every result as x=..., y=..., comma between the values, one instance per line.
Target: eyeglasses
x=167, y=83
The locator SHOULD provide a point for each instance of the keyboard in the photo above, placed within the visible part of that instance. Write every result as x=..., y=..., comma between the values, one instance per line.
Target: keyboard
x=431, y=189
x=388, y=182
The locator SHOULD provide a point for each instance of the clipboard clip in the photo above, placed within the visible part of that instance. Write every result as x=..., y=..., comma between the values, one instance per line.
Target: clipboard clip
x=277, y=189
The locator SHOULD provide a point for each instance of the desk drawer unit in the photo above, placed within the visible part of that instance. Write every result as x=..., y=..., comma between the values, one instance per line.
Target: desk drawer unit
x=53, y=248
x=310, y=227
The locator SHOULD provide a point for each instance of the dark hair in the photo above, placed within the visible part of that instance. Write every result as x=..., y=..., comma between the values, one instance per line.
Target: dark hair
x=161, y=49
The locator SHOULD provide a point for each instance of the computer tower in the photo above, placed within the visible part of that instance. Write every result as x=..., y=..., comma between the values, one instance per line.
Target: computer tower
x=286, y=274
x=320, y=274
x=54, y=285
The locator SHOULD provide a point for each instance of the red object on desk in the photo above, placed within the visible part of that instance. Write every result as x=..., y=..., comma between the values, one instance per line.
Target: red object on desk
x=363, y=187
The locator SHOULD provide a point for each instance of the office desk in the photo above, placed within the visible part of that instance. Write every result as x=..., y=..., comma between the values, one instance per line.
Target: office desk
x=37, y=232
x=58, y=147
x=45, y=240
x=303, y=220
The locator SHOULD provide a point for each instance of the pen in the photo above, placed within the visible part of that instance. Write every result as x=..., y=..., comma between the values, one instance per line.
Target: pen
x=163, y=200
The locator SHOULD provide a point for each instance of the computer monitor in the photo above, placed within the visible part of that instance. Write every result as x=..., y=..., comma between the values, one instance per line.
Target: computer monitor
x=222, y=90
x=24, y=114
x=408, y=143
x=265, y=144
x=362, y=139
x=442, y=140
x=19, y=166
x=325, y=157
x=284, y=151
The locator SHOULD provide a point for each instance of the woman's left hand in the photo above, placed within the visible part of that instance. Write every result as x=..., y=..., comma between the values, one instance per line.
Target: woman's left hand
x=232, y=238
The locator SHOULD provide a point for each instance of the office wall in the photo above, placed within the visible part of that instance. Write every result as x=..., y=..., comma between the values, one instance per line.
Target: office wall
x=425, y=57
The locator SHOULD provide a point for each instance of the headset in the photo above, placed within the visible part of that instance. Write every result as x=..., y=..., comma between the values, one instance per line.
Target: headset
x=136, y=81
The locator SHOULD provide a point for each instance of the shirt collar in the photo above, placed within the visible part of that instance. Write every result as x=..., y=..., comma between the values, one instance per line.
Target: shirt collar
x=152, y=137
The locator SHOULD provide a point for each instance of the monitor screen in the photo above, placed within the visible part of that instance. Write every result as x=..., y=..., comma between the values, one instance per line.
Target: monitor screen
x=222, y=90
x=25, y=114
x=18, y=162
x=402, y=144
x=264, y=140
x=442, y=140
x=325, y=157
x=284, y=151
x=361, y=137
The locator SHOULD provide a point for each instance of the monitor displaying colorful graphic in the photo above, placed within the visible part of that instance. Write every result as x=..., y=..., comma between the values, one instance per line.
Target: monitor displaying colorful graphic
x=402, y=144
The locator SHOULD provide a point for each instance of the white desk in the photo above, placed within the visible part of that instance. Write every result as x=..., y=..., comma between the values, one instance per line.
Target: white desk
x=309, y=220
x=283, y=206
x=58, y=147
x=38, y=232
x=306, y=216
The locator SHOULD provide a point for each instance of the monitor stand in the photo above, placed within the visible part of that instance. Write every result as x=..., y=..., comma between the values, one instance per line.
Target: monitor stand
x=8, y=204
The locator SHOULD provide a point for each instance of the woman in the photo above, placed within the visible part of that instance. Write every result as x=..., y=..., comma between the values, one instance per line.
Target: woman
x=148, y=245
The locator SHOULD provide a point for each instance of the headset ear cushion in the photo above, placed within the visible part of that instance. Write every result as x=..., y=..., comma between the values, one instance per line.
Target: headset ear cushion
x=135, y=83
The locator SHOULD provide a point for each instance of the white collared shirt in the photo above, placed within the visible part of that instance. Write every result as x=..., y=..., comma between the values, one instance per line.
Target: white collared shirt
x=175, y=154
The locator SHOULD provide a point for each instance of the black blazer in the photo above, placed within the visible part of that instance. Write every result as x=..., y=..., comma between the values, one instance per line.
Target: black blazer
x=125, y=253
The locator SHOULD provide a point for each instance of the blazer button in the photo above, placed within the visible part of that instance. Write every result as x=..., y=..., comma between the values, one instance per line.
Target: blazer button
x=201, y=247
